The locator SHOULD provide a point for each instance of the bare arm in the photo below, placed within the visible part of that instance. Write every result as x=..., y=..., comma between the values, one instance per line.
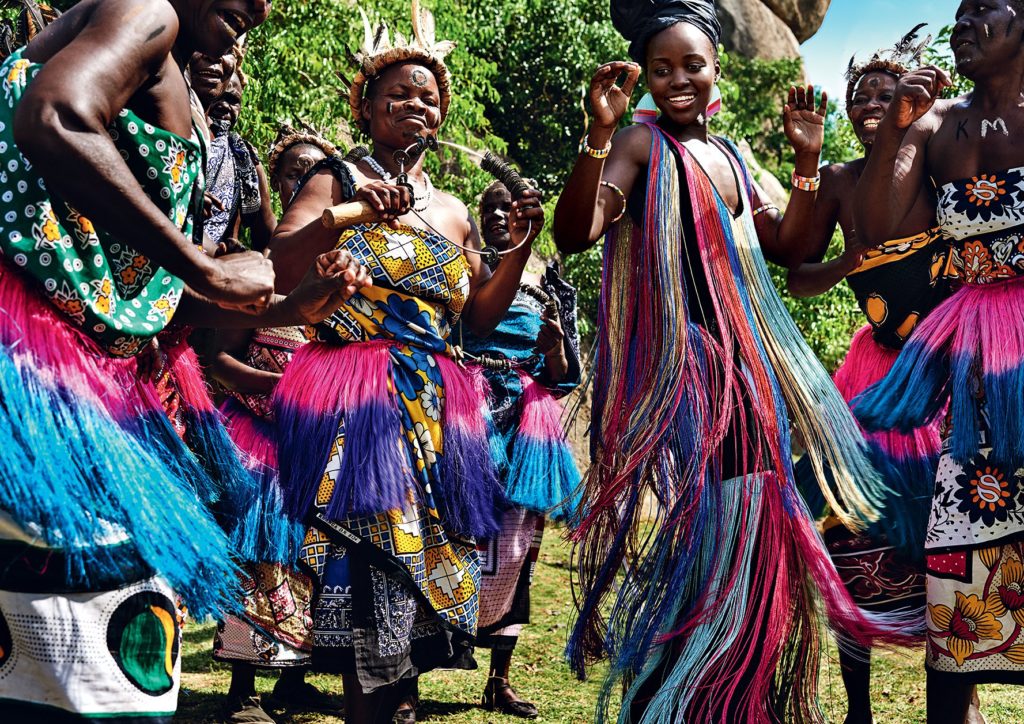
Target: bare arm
x=300, y=235
x=814, y=278
x=60, y=126
x=585, y=208
x=228, y=368
x=895, y=172
x=491, y=294
x=551, y=344
x=328, y=283
x=789, y=239
x=263, y=225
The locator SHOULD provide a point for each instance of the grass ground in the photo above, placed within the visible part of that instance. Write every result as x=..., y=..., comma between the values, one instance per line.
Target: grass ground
x=540, y=674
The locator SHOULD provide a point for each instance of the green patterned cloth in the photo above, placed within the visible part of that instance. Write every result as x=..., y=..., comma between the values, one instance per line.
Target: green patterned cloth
x=117, y=296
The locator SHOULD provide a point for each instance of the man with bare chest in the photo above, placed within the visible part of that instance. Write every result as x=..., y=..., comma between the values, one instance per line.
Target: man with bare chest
x=970, y=351
x=112, y=448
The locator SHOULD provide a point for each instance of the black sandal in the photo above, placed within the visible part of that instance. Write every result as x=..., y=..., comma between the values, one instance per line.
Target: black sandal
x=499, y=696
x=406, y=711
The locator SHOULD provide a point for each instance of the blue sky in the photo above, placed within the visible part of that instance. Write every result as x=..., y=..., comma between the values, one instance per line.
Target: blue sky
x=862, y=26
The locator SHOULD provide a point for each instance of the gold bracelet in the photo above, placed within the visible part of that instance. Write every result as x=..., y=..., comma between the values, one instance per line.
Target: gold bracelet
x=622, y=197
x=598, y=153
x=803, y=183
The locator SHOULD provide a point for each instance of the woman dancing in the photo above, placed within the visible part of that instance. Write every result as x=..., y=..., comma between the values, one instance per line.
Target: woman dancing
x=699, y=372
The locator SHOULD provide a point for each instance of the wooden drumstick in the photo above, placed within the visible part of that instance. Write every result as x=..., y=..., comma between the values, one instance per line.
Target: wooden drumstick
x=349, y=214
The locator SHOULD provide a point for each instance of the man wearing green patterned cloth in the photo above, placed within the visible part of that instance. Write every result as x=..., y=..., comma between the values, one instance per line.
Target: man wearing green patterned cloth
x=114, y=456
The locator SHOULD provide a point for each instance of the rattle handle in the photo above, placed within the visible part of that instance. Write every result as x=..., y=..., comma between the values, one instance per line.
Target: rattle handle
x=349, y=214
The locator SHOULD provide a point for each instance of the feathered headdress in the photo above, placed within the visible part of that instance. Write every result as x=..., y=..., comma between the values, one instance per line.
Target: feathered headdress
x=288, y=136
x=378, y=51
x=897, y=60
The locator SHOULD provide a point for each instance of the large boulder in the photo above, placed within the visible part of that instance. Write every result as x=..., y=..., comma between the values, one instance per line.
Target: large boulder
x=769, y=29
x=803, y=17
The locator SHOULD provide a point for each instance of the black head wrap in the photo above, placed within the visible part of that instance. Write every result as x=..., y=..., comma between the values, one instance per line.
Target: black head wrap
x=639, y=20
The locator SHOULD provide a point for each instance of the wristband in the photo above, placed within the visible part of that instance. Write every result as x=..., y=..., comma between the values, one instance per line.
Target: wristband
x=598, y=153
x=803, y=183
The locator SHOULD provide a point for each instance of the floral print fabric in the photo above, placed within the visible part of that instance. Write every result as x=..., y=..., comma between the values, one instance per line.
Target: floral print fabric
x=117, y=296
x=975, y=567
x=976, y=613
x=985, y=215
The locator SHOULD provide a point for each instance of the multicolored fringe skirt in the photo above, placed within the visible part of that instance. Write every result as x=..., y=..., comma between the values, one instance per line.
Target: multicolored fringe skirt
x=275, y=627
x=970, y=350
x=883, y=568
x=403, y=484
x=108, y=468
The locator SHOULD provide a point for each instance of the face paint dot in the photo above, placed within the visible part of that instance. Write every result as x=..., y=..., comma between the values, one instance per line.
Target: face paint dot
x=419, y=78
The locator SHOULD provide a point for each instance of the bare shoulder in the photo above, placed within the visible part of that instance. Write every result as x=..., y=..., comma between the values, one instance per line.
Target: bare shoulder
x=943, y=110
x=137, y=29
x=840, y=178
x=635, y=141
x=451, y=204
x=144, y=21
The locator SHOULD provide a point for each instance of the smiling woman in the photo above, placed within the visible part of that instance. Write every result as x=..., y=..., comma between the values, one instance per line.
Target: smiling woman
x=690, y=520
x=383, y=444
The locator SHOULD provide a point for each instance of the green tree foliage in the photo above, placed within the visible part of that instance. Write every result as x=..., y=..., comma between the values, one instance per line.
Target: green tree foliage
x=294, y=60
x=520, y=72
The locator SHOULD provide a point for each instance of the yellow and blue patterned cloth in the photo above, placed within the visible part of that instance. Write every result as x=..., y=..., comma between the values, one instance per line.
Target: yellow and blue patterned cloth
x=382, y=620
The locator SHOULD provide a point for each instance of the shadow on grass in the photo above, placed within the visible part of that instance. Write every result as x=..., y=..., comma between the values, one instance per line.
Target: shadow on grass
x=199, y=706
x=429, y=709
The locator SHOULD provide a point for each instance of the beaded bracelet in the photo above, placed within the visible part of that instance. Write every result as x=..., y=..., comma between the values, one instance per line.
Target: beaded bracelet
x=622, y=198
x=803, y=183
x=598, y=153
x=766, y=207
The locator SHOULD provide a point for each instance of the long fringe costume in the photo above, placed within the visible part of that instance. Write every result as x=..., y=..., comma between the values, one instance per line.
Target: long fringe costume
x=720, y=584
x=112, y=446
x=382, y=435
x=969, y=354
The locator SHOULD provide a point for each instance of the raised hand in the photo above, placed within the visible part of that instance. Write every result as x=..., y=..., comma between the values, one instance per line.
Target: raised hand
x=551, y=336
x=608, y=100
x=803, y=123
x=916, y=93
x=329, y=283
x=527, y=217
